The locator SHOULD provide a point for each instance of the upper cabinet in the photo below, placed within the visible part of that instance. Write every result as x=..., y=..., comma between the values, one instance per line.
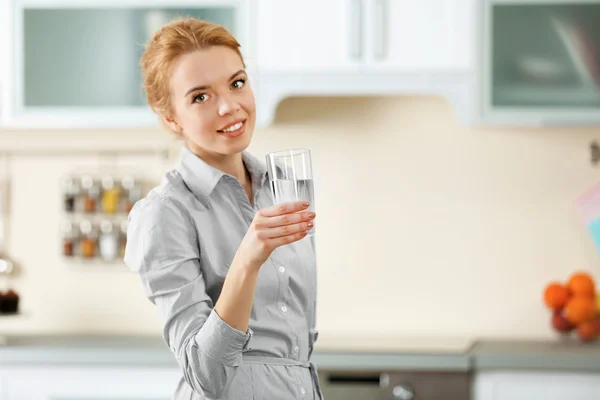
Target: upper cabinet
x=540, y=62
x=75, y=63
x=363, y=47
x=408, y=35
x=359, y=35
x=310, y=35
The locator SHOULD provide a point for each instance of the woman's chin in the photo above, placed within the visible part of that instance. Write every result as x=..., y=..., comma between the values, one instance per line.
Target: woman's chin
x=235, y=146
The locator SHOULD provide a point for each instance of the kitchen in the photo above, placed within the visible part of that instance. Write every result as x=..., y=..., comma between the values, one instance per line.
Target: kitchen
x=445, y=189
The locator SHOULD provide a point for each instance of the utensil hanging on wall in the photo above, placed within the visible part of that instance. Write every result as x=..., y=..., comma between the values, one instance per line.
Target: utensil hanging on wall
x=6, y=265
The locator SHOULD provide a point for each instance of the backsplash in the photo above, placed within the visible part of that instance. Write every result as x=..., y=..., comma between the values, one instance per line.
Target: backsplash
x=424, y=227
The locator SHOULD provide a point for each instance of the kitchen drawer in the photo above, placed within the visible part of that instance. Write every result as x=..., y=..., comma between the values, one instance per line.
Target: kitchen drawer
x=396, y=385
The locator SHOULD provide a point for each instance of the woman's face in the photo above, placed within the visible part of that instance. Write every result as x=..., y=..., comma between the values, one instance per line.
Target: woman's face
x=212, y=103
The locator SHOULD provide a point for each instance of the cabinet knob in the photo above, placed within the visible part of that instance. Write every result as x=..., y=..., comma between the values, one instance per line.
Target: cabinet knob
x=403, y=392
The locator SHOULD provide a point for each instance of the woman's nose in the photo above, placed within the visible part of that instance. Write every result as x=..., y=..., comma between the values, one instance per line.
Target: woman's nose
x=228, y=105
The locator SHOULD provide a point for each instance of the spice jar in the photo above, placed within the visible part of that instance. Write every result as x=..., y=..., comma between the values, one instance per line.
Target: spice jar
x=70, y=194
x=68, y=238
x=9, y=302
x=108, y=241
x=134, y=192
x=91, y=192
x=87, y=242
x=123, y=241
x=110, y=195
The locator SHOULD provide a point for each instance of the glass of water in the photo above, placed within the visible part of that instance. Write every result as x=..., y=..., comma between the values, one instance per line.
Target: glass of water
x=291, y=178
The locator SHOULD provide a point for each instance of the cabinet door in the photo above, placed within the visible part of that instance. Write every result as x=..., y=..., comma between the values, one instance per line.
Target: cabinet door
x=76, y=63
x=536, y=386
x=91, y=383
x=426, y=35
x=309, y=35
x=541, y=62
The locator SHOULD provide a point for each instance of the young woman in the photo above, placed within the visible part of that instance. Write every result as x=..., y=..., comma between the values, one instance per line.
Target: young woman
x=229, y=272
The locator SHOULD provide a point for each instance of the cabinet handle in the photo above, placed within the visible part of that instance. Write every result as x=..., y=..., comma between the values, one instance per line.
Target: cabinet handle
x=355, y=29
x=380, y=25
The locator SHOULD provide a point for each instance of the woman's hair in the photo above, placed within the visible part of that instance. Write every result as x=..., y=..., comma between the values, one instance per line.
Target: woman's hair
x=168, y=44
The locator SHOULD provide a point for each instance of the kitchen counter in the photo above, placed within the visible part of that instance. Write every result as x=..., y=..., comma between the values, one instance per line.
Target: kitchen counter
x=345, y=353
x=341, y=351
x=85, y=350
x=567, y=355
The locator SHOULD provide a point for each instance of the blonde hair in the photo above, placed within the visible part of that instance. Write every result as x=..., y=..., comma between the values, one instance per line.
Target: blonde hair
x=166, y=46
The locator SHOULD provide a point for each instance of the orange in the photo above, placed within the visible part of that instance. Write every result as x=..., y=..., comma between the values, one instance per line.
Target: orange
x=589, y=330
x=580, y=309
x=555, y=295
x=581, y=284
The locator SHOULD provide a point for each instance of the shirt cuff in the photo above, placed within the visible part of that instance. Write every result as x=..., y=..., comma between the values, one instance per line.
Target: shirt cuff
x=221, y=341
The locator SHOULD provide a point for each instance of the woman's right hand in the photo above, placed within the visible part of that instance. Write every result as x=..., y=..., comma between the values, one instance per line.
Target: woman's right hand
x=273, y=227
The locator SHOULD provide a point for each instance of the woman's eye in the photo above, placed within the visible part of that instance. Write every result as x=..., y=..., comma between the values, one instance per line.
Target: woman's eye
x=239, y=83
x=201, y=98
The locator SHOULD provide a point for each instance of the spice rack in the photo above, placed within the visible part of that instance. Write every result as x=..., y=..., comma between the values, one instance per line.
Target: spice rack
x=95, y=210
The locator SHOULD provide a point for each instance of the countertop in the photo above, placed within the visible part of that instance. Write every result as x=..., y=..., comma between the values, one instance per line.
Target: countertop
x=343, y=353
x=346, y=353
x=562, y=355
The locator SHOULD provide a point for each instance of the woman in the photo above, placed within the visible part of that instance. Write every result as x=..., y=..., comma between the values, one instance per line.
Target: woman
x=229, y=272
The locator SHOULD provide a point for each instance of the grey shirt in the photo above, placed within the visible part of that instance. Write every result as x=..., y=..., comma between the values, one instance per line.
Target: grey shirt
x=181, y=240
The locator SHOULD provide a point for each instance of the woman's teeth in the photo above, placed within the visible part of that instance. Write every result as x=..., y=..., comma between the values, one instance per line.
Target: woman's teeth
x=234, y=127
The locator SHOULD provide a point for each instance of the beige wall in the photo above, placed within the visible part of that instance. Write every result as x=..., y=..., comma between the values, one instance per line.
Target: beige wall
x=424, y=227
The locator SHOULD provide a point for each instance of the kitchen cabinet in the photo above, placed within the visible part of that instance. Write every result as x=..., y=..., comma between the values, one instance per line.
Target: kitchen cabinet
x=75, y=64
x=310, y=35
x=431, y=35
x=89, y=383
x=359, y=47
x=534, y=385
x=358, y=35
x=539, y=62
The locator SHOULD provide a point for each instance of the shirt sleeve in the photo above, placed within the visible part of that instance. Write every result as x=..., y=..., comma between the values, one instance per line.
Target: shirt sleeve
x=162, y=247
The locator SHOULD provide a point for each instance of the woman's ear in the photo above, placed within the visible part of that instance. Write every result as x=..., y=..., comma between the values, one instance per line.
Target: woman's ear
x=173, y=124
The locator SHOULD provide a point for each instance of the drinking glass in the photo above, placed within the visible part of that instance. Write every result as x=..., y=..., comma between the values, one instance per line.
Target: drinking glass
x=291, y=177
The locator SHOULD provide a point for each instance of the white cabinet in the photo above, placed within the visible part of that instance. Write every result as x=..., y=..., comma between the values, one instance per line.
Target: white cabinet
x=75, y=63
x=309, y=35
x=364, y=47
x=342, y=35
x=427, y=35
x=88, y=383
x=524, y=385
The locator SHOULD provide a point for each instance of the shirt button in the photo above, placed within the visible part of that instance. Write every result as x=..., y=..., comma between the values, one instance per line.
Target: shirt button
x=281, y=269
x=284, y=308
x=302, y=391
x=296, y=349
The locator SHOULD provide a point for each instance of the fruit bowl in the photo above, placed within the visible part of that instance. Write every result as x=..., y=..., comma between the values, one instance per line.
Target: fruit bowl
x=574, y=306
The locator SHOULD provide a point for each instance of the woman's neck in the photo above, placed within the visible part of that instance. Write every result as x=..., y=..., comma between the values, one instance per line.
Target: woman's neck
x=230, y=164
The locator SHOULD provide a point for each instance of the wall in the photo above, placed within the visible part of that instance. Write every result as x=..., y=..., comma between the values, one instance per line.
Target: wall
x=424, y=227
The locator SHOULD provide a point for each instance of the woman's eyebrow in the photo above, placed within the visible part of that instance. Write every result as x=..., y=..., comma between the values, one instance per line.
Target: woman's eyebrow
x=204, y=87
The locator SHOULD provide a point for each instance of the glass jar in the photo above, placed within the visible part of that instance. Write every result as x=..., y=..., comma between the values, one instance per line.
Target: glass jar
x=108, y=241
x=68, y=239
x=123, y=241
x=70, y=194
x=110, y=195
x=134, y=192
x=90, y=194
x=87, y=241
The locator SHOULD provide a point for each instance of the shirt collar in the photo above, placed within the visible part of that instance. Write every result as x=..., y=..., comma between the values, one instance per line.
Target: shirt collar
x=202, y=178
